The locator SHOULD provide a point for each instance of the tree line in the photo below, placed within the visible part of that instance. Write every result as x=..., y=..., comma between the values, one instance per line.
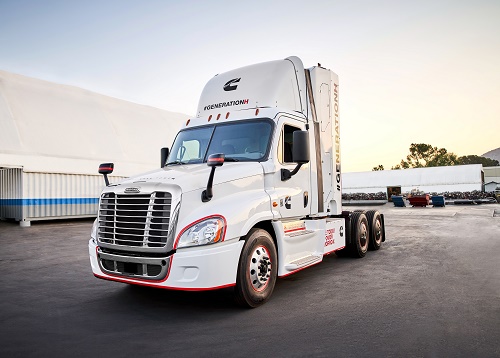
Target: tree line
x=425, y=155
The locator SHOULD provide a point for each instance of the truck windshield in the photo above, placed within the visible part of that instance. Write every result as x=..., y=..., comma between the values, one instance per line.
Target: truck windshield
x=239, y=141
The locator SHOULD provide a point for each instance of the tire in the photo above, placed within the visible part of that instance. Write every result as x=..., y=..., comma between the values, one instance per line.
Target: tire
x=257, y=269
x=375, y=229
x=359, y=235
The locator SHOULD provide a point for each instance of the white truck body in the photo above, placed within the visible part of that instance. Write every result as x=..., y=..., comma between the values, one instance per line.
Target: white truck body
x=155, y=230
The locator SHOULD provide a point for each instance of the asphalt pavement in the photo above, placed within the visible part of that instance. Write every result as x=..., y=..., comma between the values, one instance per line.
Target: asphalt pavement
x=433, y=290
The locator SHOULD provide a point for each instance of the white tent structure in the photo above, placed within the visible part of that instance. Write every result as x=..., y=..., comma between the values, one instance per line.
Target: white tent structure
x=431, y=180
x=53, y=138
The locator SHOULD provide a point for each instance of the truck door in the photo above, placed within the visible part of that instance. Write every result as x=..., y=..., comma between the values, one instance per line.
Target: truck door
x=293, y=194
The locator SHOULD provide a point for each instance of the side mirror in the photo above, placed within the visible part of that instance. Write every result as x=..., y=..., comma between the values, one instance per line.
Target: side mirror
x=214, y=161
x=300, y=153
x=164, y=156
x=105, y=169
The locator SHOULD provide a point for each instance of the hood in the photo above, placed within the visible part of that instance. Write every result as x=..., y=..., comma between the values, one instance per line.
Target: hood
x=192, y=177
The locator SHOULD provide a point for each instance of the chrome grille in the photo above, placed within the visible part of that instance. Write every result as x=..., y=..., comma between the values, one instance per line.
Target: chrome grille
x=135, y=220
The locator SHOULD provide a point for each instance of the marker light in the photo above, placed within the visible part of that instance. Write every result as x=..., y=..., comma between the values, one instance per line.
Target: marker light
x=218, y=116
x=209, y=118
x=188, y=122
x=257, y=111
x=227, y=115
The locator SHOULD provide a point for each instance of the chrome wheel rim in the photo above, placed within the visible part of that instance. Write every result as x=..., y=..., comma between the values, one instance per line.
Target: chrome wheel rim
x=363, y=236
x=260, y=268
x=378, y=232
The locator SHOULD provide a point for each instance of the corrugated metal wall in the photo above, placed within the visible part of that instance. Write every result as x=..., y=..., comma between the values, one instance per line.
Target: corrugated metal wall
x=11, y=193
x=37, y=196
x=59, y=195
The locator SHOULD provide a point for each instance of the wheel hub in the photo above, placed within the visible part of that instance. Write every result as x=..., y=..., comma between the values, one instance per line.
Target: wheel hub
x=260, y=268
x=378, y=232
x=363, y=237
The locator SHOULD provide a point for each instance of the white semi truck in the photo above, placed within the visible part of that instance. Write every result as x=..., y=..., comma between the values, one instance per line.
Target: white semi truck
x=250, y=191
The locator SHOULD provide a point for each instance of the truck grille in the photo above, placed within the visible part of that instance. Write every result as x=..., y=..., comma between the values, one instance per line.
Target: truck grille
x=137, y=220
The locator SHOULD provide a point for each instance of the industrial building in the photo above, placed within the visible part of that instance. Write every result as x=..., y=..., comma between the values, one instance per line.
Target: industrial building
x=491, y=179
x=460, y=178
x=53, y=138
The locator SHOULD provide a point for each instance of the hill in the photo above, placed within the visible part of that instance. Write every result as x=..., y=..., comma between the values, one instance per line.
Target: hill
x=493, y=154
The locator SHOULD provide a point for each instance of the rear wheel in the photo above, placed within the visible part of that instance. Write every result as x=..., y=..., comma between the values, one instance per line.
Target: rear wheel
x=359, y=234
x=376, y=230
x=257, y=269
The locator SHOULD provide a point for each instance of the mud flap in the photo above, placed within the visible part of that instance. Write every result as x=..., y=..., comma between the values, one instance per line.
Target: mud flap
x=383, y=226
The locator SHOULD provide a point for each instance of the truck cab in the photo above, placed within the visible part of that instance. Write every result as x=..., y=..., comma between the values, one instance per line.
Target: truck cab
x=249, y=191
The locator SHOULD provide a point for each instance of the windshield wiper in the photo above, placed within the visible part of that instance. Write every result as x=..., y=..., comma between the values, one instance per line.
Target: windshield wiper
x=229, y=159
x=176, y=162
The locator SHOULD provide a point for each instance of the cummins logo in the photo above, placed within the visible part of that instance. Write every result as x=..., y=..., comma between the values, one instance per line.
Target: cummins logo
x=230, y=85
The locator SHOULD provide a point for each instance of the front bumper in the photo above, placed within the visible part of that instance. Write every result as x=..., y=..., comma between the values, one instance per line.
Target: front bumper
x=190, y=269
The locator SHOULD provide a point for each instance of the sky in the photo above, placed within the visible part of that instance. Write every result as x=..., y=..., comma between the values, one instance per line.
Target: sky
x=410, y=72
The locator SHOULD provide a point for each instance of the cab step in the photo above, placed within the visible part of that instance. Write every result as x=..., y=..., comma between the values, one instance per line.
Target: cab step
x=299, y=233
x=303, y=262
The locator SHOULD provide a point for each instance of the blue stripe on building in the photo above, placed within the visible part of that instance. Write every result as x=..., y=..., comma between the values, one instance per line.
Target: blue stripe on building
x=49, y=201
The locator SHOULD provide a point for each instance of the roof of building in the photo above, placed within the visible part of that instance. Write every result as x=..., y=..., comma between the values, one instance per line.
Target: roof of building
x=48, y=127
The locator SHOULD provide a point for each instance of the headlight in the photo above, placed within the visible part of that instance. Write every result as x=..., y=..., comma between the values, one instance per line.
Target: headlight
x=204, y=232
x=93, y=234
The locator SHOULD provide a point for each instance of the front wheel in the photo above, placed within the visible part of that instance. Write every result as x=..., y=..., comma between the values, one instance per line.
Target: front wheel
x=257, y=269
